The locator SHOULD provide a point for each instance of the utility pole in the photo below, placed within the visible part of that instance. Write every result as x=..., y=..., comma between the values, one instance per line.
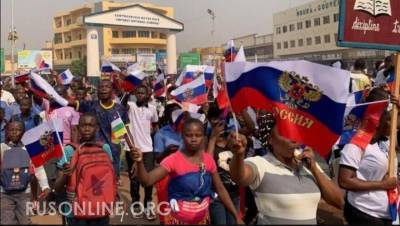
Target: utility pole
x=12, y=36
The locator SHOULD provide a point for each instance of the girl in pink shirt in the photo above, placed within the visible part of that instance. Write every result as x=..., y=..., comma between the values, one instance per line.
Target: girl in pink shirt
x=193, y=176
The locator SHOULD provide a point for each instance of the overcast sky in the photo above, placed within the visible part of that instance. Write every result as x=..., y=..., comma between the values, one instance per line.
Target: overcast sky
x=234, y=18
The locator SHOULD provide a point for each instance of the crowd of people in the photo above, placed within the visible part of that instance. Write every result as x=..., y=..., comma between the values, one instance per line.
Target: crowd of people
x=212, y=168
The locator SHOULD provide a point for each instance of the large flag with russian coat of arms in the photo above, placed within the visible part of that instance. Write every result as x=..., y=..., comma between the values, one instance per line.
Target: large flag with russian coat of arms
x=307, y=99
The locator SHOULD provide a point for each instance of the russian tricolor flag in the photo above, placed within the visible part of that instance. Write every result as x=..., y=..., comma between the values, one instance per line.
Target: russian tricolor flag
x=66, y=77
x=133, y=79
x=308, y=99
x=178, y=117
x=42, y=88
x=393, y=197
x=370, y=115
x=230, y=51
x=190, y=73
x=353, y=116
x=22, y=78
x=159, y=85
x=390, y=81
x=108, y=67
x=194, y=92
x=44, y=142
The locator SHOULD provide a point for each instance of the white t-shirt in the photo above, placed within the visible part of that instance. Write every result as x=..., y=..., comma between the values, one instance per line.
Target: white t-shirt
x=141, y=119
x=371, y=165
x=380, y=78
x=7, y=97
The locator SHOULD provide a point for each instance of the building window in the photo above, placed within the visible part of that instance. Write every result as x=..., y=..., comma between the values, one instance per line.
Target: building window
x=326, y=20
x=154, y=34
x=300, y=42
x=336, y=37
x=144, y=34
x=79, y=54
x=309, y=41
x=129, y=51
x=317, y=40
x=278, y=45
x=291, y=27
x=163, y=36
x=327, y=38
x=278, y=30
x=285, y=45
x=284, y=29
x=317, y=21
x=68, y=22
x=57, y=38
x=70, y=55
x=115, y=34
x=292, y=44
x=129, y=34
x=114, y=51
x=308, y=23
x=144, y=50
x=80, y=36
x=68, y=38
x=336, y=17
x=299, y=25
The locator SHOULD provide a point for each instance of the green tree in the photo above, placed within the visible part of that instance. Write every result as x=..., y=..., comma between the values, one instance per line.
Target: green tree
x=78, y=67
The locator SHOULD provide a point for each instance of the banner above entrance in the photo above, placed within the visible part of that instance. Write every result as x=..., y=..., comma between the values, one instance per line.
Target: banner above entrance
x=133, y=16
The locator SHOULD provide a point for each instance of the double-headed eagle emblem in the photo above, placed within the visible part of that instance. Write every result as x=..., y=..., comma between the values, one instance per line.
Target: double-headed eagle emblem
x=298, y=91
x=46, y=139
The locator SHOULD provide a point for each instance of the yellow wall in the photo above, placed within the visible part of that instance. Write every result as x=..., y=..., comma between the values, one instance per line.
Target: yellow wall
x=77, y=32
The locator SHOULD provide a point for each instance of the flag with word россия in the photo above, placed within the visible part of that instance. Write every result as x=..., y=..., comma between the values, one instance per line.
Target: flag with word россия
x=307, y=99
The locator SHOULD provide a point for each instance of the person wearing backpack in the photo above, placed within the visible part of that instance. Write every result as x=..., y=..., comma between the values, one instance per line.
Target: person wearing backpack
x=16, y=175
x=88, y=174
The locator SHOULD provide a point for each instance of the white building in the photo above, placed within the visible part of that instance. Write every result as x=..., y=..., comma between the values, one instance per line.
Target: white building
x=310, y=32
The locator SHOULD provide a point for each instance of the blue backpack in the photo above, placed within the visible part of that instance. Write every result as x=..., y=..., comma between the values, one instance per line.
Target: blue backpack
x=15, y=175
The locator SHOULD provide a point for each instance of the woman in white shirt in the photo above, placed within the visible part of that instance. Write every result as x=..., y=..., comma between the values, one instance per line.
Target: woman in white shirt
x=286, y=189
x=363, y=173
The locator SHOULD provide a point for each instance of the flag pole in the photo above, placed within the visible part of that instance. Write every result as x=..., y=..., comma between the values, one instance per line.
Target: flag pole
x=235, y=122
x=394, y=118
x=59, y=140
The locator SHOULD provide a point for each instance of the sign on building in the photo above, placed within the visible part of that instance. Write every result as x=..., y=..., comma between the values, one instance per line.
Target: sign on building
x=29, y=59
x=147, y=61
x=373, y=24
x=2, y=59
x=189, y=58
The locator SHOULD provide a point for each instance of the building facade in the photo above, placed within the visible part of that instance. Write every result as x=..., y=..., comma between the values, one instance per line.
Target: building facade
x=118, y=44
x=310, y=31
x=257, y=48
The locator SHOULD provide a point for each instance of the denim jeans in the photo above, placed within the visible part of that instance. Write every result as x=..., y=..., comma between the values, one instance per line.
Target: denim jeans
x=220, y=215
x=13, y=208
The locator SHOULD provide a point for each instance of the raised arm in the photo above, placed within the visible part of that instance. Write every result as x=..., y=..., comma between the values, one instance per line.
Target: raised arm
x=329, y=191
x=147, y=178
x=241, y=173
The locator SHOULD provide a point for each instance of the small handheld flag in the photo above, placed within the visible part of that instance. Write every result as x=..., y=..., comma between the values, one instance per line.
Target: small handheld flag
x=118, y=129
x=66, y=77
x=44, y=142
x=194, y=92
x=108, y=67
